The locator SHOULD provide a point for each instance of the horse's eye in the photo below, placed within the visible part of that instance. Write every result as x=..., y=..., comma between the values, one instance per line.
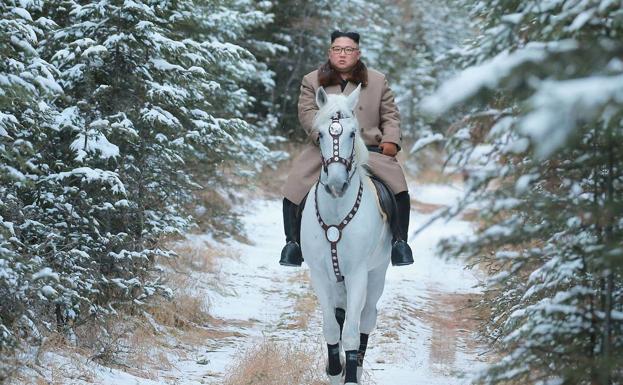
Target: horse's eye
x=320, y=135
x=352, y=134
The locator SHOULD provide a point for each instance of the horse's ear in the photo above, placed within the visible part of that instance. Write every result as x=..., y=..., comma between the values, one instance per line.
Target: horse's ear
x=353, y=98
x=321, y=97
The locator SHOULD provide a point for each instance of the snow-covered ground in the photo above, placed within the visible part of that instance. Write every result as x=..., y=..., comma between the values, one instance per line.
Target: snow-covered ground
x=424, y=334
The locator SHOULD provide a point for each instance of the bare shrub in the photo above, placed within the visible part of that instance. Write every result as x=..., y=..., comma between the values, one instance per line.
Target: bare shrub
x=278, y=363
x=192, y=257
x=273, y=177
x=305, y=304
x=184, y=311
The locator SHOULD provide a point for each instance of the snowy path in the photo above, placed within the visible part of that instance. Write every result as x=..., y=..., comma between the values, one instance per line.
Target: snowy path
x=424, y=332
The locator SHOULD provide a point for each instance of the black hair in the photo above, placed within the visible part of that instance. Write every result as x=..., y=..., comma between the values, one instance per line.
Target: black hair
x=351, y=35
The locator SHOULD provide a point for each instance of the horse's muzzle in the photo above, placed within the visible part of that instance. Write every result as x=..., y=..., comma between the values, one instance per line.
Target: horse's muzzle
x=336, y=192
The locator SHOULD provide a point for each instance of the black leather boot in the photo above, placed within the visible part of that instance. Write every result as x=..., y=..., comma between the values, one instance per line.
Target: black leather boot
x=401, y=252
x=291, y=253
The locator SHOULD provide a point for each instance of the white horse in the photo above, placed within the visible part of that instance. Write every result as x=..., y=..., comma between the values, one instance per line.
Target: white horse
x=345, y=237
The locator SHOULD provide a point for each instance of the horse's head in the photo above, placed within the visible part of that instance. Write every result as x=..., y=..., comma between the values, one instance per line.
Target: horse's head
x=342, y=149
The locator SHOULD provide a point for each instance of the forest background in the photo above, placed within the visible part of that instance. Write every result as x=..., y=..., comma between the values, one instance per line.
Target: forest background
x=119, y=119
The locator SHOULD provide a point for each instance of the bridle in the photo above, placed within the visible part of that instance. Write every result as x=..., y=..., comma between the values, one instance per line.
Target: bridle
x=333, y=233
x=336, y=130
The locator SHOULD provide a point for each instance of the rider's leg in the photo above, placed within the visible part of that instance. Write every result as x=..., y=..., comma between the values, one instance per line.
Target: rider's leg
x=401, y=252
x=291, y=253
x=403, y=208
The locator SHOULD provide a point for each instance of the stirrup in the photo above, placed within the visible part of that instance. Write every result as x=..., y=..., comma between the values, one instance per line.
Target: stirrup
x=291, y=255
x=401, y=253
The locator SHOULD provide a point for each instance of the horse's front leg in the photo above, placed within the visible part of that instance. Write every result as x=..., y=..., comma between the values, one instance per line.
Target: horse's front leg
x=356, y=287
x=325, y=291
x=376, y=283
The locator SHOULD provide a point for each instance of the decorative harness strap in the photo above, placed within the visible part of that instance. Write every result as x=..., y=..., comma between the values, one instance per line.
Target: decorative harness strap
x=333, y=233
x=335, y=130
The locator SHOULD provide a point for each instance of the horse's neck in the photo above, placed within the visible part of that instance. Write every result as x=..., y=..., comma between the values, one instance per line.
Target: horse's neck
x=333, y=209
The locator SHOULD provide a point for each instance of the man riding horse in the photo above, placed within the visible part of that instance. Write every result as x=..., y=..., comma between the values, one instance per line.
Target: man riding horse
x=379, y=120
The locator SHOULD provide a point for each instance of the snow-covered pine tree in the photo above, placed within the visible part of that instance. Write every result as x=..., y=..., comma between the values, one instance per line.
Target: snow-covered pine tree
x=27, y=87
x=417, y=54
x=540, y=151
x=111, y=110
x=152, y=89
x=227, y=29
x=244, y=23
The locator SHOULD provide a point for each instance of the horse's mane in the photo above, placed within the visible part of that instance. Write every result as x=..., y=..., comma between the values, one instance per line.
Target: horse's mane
x=337, y=103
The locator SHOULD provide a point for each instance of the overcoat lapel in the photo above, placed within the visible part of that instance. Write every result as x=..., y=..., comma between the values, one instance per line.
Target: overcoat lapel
x=334, y=89
x=350, y=87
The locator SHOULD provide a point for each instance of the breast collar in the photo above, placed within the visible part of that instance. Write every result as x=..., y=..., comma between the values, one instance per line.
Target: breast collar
x=333, y=233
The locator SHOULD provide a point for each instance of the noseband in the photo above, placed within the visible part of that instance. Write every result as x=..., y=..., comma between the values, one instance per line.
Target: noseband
x=336, y=130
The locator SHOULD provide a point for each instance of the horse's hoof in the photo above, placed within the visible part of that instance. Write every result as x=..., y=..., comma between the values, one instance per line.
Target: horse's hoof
x=401, y=254
x=291, y=255
x=335, y=380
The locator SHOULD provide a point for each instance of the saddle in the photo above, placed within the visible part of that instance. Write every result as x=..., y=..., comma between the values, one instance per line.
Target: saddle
x=386, y=200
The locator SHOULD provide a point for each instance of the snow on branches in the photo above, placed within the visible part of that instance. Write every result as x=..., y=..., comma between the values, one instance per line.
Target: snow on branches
x=540, y=152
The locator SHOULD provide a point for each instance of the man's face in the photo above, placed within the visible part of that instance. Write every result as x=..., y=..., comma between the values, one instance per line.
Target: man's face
x=338, y=56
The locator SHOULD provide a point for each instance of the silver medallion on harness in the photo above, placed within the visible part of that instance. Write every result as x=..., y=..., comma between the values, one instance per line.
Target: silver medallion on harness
x=333, y=234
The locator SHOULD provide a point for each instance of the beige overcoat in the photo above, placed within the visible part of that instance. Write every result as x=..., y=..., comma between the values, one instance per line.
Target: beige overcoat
x=378, y=119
